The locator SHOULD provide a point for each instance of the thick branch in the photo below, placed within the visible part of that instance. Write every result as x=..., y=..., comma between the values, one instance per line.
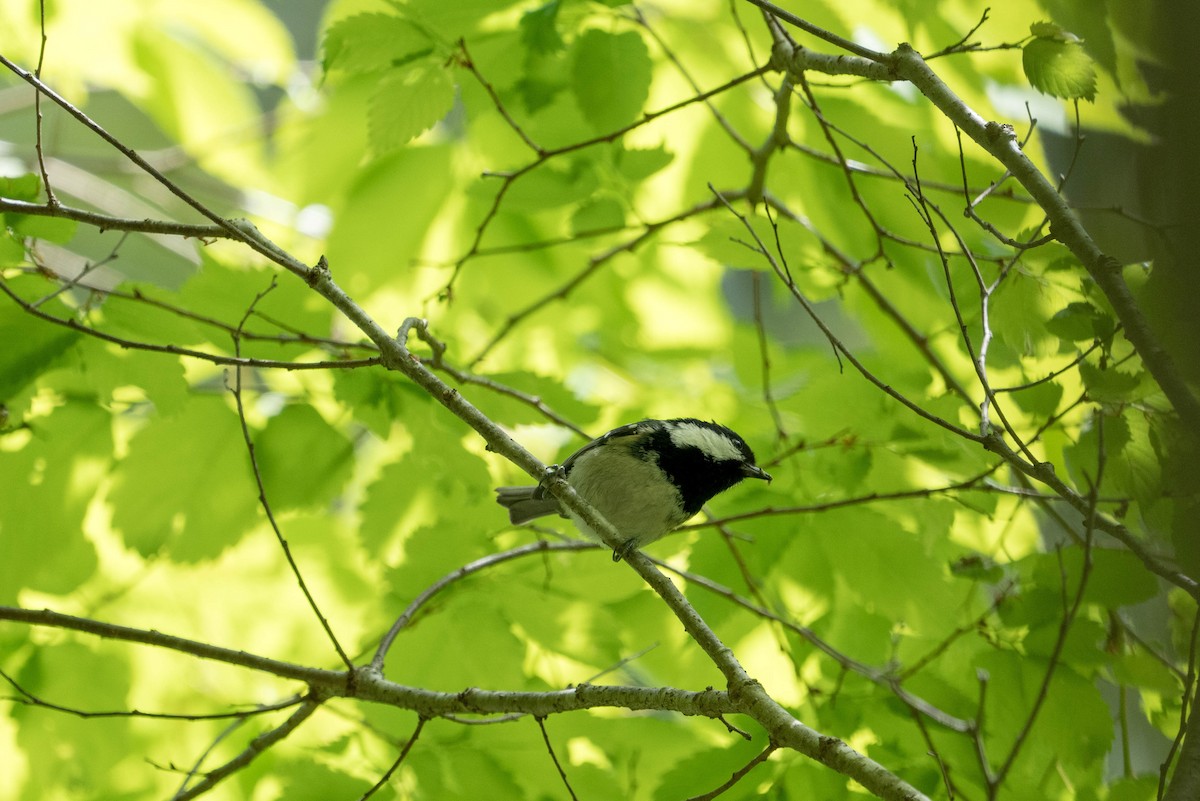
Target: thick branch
x=1185, y=784
x=1001, y=143
x=745, y=691
x=369, y=685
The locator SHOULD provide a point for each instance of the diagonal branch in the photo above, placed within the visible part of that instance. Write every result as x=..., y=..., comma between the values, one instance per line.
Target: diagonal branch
x=1001, y=143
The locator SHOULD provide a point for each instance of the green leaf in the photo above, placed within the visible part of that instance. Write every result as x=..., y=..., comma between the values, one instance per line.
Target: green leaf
x=539, y=31
x=12, y=247
x=370, y=42
x=217, y=103
x=1117, y=578
x=1141, y=788
x=1136, y=469
x=47, y=485
x=52, y=674
x=408, y=102
x=1056, y=64
x=1110, y=385
x=393, y=203
x=186, y=484
x=21, y=187
x=1078, y=322
x=118, y=377
x=638, y=164
x=1140, y=669
x=308, y=780
x=376, y=397
x=29, y=344
x=729, y=243
x=51, y=229
x=552, y=188
x=511, y=412
x=602, y=214
x=610, y=77
x=1052, y=31
x=453, y=21
x=1023, y=302
x=1040, y=399
x=303, y=460
x=705, y=769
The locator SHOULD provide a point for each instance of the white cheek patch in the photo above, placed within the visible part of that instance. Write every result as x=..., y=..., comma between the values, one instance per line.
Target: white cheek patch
x=712, y=443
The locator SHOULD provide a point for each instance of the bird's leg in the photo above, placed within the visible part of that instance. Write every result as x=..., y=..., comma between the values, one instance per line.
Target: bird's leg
x=627, y=547
x=552, y=472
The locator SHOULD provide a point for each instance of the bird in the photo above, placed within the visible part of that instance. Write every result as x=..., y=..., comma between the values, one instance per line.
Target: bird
x=646, y=478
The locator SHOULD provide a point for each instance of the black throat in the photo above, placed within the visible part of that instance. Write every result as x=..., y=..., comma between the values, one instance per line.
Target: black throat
x=697, y=475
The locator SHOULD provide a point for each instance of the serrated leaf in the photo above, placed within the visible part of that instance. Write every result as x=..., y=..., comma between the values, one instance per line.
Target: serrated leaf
x=610, y=77
x=1077, y=322
x=409, y=102
x=1052, y=30
x=1109, y=386
x=369, y=42
x=1060, y=69
x=1023, y=302
x=185, y=482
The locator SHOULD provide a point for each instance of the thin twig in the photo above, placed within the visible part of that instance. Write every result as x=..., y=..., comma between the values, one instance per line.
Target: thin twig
x=562, y=774
x=387, y=775
x=26, y=697
x=483, y=563
x=262, y=490
x=256, y=747
x=243, y=233
x=38, y=147
x=834, y=341
x=738, y=774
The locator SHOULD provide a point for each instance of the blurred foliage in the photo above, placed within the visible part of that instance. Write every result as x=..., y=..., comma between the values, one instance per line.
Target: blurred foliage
x=501, y=168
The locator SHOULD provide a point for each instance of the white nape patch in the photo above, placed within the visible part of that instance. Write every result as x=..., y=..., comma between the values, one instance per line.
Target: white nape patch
x=711, y=442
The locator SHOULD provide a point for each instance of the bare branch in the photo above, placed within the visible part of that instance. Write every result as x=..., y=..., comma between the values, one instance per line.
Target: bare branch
x=263, y=501
x=257, y=746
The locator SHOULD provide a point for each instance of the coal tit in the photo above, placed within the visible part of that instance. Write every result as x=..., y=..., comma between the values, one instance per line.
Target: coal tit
x=646, y=478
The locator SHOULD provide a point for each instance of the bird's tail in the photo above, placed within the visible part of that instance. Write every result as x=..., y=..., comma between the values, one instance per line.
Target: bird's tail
x=525, y=503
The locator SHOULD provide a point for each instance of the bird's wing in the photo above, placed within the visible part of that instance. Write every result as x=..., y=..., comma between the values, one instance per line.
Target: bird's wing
x=628, y=430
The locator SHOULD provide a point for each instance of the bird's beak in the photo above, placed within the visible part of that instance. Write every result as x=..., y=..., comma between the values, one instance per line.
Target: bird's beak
x=753, y=471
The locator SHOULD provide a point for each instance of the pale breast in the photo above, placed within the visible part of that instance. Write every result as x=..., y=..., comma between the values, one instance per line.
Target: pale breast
x=622, y=495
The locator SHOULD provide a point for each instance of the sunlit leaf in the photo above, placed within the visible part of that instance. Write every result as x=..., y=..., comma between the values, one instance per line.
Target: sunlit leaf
x=409, y=101
x=370, y=42
x=177, y=469
x=1056, y=64
x=316, y=477
x=538, y=28
x=611, y=77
